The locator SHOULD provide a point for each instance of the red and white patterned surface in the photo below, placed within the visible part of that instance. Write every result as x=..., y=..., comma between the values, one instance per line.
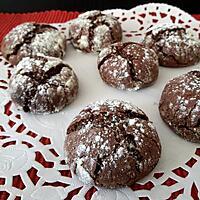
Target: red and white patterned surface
x=32, y=162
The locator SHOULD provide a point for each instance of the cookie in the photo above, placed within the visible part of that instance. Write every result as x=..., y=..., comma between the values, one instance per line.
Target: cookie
x=174, y=46
x=111, y=144
x=93, y=30
x=180, y=105
x=129, y=66
x=29, y=39
x=43, y=85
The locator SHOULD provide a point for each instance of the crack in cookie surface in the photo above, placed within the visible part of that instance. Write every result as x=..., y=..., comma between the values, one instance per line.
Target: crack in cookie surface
x=128, y=65
x=93, y=30
x=43, y=85
x=30, y=39
x=180, y=105
x=105, y=134
x=174, y=45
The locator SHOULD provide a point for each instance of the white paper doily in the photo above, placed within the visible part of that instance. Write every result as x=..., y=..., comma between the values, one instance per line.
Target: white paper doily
x=31, y=146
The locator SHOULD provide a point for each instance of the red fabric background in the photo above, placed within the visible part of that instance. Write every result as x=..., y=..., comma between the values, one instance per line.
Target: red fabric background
x=8, y=21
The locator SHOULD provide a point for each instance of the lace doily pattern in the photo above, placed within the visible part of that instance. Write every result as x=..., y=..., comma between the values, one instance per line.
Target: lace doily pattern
x=32, y=164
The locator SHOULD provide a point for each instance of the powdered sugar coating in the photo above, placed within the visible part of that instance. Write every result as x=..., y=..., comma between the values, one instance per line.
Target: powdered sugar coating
x=180, y=105
x=175, y=46
x=128, y=66
x=93, y=30
x=154, y=30
x=82, y=173
x=113, y=104
x=43, y=85
x=113, y=151
x=16, y=35
x=29, y=39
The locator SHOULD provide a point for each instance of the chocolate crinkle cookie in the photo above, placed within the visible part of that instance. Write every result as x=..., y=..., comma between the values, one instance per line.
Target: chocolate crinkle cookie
x=43, y=85
x=174, y=46
x=129, y=65
x=112, y=144
x=29, y=39
x=93, y=30
x=180, y=105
